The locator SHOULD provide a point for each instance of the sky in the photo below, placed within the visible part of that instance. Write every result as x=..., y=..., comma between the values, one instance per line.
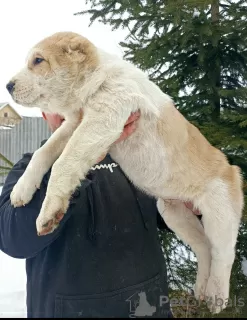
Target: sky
x=23, y=23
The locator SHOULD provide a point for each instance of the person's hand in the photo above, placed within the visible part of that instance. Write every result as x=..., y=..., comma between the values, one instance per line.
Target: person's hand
x=190, y=206
x=54, y=121
x=129, y=128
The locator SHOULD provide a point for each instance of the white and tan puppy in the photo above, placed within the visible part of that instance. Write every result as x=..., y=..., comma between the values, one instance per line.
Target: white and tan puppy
x=166, y=157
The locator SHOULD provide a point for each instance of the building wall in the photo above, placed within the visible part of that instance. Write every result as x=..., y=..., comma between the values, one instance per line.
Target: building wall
x=12, y=117
x=25, y=137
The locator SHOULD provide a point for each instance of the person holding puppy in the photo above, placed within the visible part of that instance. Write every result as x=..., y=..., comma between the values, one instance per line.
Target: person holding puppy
x=104, y=254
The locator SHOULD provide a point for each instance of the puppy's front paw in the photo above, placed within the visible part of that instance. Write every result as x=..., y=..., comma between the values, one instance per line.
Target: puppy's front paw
x=24, y=190
x=52, y=212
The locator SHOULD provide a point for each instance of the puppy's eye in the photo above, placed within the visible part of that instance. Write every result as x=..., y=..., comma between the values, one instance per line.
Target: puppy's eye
x=38, y=61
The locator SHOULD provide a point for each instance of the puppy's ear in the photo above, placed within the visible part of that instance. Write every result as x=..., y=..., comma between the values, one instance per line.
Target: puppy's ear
x=75, y=50
x=81, y=50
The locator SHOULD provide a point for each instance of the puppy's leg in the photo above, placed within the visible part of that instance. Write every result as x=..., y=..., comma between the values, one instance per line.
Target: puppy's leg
x=221, y=219
x=93, y=138
x=41, y=162
x=189, y=229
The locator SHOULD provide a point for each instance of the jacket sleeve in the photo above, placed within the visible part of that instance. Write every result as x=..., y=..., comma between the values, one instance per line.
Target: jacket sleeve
x=18, y=235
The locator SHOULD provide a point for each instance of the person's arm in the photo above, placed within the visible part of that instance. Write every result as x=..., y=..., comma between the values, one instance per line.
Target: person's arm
x=18, y=234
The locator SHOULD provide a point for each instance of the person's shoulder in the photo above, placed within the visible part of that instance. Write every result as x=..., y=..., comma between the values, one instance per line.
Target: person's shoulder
x=26, y=157
x=23, y=162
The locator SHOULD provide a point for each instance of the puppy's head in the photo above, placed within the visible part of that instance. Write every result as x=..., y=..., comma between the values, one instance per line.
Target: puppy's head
x=54, y=69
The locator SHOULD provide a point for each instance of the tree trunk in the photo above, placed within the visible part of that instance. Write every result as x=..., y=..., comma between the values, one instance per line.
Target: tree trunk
x=215, y=14
x=215, y=11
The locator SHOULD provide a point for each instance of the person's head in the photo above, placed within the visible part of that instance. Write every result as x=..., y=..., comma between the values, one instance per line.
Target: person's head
x=54, y=120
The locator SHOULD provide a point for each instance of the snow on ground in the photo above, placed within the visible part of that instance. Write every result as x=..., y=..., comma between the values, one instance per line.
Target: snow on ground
x=4, y=128
x=12, y=305
x=12, y=287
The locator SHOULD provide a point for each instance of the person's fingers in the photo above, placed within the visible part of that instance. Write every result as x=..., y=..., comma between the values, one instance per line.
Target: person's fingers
x=190, y=206
x=133, y=117
x=130, y=126
x=128, y=130
x=197, y=212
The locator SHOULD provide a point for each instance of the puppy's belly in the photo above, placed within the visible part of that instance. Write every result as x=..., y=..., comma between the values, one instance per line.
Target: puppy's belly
x=148, y=171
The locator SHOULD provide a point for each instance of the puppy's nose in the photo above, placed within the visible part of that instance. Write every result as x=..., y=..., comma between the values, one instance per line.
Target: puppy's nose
x=10, y=86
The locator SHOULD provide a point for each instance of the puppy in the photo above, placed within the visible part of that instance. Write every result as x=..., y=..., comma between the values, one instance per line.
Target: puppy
x=167, y=157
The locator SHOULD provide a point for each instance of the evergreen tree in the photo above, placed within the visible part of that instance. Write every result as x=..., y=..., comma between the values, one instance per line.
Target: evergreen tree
x=5, y=165
x=195, y=50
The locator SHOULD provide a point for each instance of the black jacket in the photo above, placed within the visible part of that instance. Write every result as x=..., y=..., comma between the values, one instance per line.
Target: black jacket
x=105, y=252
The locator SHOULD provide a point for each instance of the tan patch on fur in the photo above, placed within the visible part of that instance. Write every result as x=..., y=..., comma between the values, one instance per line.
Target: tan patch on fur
x=41, y=69
x=63, y=49
x=233, y=177
x=192, y=159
